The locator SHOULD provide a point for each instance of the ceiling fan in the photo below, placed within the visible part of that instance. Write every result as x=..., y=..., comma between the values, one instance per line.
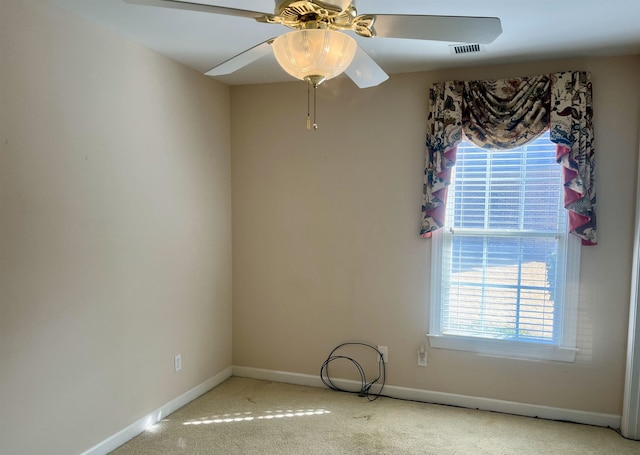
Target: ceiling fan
x=319, y=49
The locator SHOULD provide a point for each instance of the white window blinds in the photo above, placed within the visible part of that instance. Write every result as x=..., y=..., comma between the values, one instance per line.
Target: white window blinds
x=504, y=245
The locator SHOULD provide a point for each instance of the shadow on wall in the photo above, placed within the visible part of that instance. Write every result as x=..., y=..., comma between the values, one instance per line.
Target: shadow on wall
x=584, y=337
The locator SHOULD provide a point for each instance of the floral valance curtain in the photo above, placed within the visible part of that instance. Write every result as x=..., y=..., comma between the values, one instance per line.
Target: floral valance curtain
x=504, y=114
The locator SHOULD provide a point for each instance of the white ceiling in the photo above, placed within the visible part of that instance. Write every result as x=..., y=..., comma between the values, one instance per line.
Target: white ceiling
x=531, y=30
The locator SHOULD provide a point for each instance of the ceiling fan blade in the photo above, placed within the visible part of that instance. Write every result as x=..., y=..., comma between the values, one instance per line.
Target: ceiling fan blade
x=364, y=71
x=465, y=29
x=188, y=6
x=241, y=60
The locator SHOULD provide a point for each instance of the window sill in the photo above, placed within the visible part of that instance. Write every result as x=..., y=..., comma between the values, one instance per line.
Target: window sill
x=503, y=348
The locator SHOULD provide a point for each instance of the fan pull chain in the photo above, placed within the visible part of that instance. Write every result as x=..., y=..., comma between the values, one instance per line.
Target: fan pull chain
x=308, y=105
x=315, y=89
x=315, y=106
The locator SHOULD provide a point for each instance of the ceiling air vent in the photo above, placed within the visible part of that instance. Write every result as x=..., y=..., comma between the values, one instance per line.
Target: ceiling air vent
x=465, y=48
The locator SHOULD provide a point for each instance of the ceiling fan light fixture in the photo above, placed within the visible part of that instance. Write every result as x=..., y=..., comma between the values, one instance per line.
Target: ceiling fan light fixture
x=314, y=54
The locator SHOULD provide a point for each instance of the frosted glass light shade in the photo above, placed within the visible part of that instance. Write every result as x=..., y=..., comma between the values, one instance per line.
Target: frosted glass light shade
x=314, y=52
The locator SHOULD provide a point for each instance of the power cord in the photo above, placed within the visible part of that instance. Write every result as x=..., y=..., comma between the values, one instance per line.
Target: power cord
x=365, y=387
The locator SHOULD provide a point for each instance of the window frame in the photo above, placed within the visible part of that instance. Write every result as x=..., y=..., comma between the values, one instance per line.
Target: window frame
x=564, y=350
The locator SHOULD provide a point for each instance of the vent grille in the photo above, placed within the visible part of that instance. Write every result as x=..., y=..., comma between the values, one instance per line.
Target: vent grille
x=465, y=48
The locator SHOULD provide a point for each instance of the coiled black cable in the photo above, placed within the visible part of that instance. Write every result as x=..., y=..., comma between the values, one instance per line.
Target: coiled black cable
x=365, y=387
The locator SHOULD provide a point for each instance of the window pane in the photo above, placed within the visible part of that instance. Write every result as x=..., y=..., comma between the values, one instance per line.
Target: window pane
x=501, y=287
x=503, y=244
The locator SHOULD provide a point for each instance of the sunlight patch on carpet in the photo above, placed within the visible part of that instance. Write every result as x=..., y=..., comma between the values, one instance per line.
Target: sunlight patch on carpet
x=248, y=416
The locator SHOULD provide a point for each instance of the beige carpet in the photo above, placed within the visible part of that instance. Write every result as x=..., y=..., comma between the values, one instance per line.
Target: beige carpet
x=247, y=416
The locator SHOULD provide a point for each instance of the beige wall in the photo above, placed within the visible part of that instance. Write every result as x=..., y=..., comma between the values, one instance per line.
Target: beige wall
x=115, y=231
x=326, y=246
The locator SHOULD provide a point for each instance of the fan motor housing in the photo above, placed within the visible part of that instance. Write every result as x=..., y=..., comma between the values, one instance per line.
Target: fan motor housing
x=312, y=14
x=288, y=8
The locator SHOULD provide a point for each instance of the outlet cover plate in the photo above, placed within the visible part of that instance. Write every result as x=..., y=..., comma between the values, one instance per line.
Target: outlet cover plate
x=422, y=359
x=384, y=350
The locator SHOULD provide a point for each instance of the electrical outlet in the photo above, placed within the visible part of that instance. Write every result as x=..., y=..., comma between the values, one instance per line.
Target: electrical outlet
x=384, y=350
x=177, y=363
x=422, y=359
x=422, y=356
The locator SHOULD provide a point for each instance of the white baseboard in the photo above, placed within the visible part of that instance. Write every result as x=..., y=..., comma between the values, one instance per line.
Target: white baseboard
x=128, y=433
x=464, y=401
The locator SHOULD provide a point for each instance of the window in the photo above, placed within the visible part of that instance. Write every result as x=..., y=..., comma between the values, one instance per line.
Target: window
x=504, y=268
